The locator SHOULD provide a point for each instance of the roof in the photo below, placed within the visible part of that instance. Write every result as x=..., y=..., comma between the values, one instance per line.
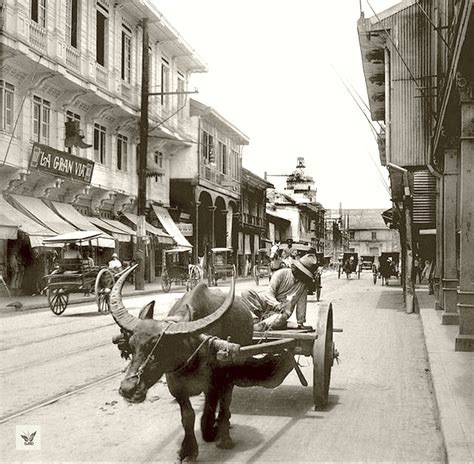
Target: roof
x=199, y=109
x=252, y=179
x=273, y=215
x=365, y=219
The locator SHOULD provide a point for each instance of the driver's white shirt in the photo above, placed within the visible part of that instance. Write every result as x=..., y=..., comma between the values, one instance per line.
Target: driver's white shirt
x=115, y=264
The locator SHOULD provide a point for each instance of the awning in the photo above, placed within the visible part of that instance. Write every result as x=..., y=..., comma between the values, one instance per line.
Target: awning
x=70, y=214
x=37, y=210
x=36, y=232
x=116, y=233
x=162, y=237
x=120, y=226
x=169, y=225
x=8, y=229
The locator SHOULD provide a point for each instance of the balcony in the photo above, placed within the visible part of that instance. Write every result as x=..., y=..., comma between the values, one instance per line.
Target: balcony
x=210, y=173
x=37, y=36
x=251, y=220
x=101, y=75
x=72, y=58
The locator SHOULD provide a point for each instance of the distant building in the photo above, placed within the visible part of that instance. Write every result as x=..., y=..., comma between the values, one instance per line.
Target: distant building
x=368, y=234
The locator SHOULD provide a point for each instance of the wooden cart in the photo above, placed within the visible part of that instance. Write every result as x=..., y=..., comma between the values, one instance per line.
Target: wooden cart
x=78, y=275
x=262, y=268
x=317, y=344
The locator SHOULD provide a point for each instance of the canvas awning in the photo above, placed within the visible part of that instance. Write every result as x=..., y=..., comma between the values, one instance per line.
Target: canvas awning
x=36, y=232
x=162, y=237
x=37, y=210
x=8, y=229
x=169, y=225
x=74, y=217
x=119, y=234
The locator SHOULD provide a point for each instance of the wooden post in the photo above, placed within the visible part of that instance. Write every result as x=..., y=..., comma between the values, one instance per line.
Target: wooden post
x=411, y=302
x=142, y=162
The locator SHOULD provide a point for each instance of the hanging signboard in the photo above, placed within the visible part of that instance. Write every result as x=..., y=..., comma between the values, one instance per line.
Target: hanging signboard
x=185, y=228
x=60, y=163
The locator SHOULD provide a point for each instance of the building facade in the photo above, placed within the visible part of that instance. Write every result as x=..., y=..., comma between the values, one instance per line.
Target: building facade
x=419, y=82
x=206, y=180
x=70, y=107
x=368, y=233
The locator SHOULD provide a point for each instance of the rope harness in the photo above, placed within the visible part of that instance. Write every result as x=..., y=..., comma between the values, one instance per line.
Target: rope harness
x=138, y=374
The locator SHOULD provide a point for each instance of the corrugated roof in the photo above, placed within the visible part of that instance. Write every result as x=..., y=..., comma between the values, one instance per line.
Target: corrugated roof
x=365, y=219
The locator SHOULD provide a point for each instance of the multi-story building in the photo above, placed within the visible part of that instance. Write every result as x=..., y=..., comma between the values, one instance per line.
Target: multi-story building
x=337, y=237
x=299, y=206
x=417, y=60
x=206, y=181
x=252, y=223
x=70, y=105
x=368, y=233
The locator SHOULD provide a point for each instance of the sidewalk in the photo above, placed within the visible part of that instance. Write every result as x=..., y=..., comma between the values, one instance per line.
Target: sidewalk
x=453, y=382
x=31, y=302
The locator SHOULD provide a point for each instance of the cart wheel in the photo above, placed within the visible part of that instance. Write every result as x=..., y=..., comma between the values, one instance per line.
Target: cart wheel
x=165, y=283
x=323, y=357
x=57, y=300
x=375, y=279
x=318, y=294
x=103, y=285
x=194, y=277
x=358, y=275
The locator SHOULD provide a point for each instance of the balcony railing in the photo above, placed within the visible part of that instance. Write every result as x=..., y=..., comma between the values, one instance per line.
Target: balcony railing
x=37, y=36
x=252, y=220
x=72, y=58
x=210, y=173
x=101, y=75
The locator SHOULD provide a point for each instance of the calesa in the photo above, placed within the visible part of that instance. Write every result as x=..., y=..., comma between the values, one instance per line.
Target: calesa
x=185, y=346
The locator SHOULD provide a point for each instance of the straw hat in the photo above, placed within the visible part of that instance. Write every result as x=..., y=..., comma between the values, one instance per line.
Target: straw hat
x=115, y=255
x=308, y=265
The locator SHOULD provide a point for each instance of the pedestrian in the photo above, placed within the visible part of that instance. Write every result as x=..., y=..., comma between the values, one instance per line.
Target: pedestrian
x=426, y=271
x=287, y=291
x=114, y=264
x=274, y=249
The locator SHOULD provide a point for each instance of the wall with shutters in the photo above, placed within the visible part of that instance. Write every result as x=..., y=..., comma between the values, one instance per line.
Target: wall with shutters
x=424, y=199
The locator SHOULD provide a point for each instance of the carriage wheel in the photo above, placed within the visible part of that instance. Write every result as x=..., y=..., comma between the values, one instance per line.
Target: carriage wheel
x=358, y=274
x=165, y=283
x=103, y=285
x=318, y=294
x=58, y=299
x=194, y=277
x=323, y=357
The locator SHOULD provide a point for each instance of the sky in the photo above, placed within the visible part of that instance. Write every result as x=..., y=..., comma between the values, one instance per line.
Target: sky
x=272, y=74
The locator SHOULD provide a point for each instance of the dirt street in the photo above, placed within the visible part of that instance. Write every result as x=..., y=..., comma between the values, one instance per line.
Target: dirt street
x=380, y=405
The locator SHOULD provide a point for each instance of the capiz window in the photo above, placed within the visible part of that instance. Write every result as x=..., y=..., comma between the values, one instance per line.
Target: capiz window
x=207, y=147
x=6, y=105
x=41, y=119
x=99, y=143
x=122, y=149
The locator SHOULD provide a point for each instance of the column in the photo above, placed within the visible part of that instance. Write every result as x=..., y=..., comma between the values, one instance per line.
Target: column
x=212, y=209
x=196, y=231
x=465, y=337
x=438, y=285
x=450, y=314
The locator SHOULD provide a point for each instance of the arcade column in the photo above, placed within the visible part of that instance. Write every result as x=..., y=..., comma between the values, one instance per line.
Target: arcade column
x=465, y=337
x=450, y=315
x=212, y=210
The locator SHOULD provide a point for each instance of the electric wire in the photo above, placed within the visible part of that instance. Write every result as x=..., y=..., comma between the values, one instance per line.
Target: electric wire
x=33, y=76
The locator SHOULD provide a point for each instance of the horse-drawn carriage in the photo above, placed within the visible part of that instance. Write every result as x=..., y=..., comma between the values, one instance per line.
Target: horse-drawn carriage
x=262, y=266
x=349, y=265
x=178, y=269
x=79, y=274
x=389, y=266
x=220, y=264
x=367, y=262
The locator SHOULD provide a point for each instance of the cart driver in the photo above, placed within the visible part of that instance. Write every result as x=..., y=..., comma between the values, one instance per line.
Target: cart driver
x=114, y=264
x=288, y=290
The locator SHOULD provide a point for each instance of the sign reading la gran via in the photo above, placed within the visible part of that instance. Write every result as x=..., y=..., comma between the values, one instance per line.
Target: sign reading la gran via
x=60, y=163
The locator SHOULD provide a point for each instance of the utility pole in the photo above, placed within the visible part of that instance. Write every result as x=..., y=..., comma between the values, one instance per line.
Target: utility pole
x=142, y=162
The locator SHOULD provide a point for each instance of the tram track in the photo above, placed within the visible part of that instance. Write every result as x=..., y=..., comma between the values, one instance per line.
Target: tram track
x=60, y=396
x=53, y=358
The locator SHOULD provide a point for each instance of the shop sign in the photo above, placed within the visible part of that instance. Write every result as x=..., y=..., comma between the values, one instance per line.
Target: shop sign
x=185, y=228
x=60, y=163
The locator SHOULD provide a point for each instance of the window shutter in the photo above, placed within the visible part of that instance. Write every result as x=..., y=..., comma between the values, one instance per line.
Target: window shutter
x=424, y=198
